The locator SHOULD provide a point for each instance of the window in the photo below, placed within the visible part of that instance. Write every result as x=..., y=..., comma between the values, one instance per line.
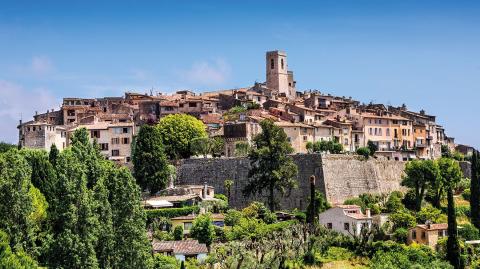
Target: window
x=370, y=131
x=414, y=234
x=125, y=140
x=346, y=226
x=281, y=61
x=103, y=146
x=192, y=104
x=440, y=233
x=329, y=225
x=345, y=142
x=304, y=138
x=424, y=235
x=70, y=112
x=180, y=105
x=388, y=131
x=187, y=226
x=127, y=159
x=379, y=131
x=95, y=133
x=115, y=140
x=272, y=64
x=115, y=152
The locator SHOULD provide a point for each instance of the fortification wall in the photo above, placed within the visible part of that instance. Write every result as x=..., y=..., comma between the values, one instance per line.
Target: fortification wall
x=339, y=177
x=349, y=176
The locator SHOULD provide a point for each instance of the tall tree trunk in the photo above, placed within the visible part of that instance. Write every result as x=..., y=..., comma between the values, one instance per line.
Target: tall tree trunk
x=453, y=248
x=312, y=216
x=271, y=200
x=475, y=190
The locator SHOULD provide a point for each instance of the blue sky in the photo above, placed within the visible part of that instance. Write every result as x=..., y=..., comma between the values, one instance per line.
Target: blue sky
x=422, y=53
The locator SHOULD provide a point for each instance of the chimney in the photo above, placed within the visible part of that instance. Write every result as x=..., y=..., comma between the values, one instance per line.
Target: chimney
x=422, y=112
x=367, y=212
x=36, y=113
x=429, y=224
x=205, y=188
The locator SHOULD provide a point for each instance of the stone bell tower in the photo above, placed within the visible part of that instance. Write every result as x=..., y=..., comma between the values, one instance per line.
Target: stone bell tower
x=279, y=79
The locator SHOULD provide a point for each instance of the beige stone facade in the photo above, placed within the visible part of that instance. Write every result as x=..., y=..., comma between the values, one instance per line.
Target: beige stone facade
x=427, y=234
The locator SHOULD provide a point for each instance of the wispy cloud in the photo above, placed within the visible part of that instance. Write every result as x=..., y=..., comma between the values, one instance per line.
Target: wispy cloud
x=41, y=65
x=16, y=102
x=208, y=73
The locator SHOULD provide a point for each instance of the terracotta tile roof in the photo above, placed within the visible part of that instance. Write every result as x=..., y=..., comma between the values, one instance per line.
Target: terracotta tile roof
x=187, y=247
x=290, y=124
x=174, y=198
x=211, y=118
x=434, y=226
x=357, y=216
x=168, y=103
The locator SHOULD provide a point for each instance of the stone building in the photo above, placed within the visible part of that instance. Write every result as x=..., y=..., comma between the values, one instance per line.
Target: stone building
x=41, y=135
x=427, y=234
x=114, y=139
x=279, y=79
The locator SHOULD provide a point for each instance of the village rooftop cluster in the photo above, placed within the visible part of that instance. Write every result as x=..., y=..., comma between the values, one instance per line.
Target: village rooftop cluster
x=305, y=116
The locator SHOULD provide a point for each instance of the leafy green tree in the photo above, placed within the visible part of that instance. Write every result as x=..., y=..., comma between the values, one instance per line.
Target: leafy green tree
x=372, y=147
x=232, y=217
x=451, y=173
x=242, y=148
x=402, y=219
x=468, y=232
x=217, y=146
x=203, y=230
x=394, y=202
x=363, y=151
x=309, y=146
x=43, y=174
x=4, y=147
x=272, y=169
x=131, y=246
x=18, y=215
x=177, y=131
x=11, y=259
x=74, y=223
x=475, y=190
x=419, y=175
x=178, y=232
x=430, y=213
x=201, y=146
x=149, y=161
x=53, y=155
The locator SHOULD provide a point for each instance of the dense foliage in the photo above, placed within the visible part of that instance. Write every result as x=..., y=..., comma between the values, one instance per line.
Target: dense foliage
x=272, y=169
x=177, y=131
x=149, y=160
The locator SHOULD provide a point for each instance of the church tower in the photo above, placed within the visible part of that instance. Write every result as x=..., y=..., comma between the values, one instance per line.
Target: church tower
x=279, y=79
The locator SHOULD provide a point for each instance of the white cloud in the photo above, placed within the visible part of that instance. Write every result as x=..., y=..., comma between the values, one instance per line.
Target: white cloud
x=208, y=73
x=16, y=103
x=41, y=65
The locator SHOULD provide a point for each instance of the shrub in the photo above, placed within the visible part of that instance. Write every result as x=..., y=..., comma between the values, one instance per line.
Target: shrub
x=334, y=254
x=402, y=219
x=462, y=211
x=409, y=200
x=429, y=213
x=220, y=234
x=221, y=197
x=364, y=151
x=232, y=217
x=394, y=202
x=466, y=194
x=203, y=230
x=468, y=232
x=165, y=262
x=163, y=235
x=400, y=235
x=178, y=232
x=171, y=212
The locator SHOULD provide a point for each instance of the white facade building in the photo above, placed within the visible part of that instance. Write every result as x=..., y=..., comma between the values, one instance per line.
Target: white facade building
x=346, y=219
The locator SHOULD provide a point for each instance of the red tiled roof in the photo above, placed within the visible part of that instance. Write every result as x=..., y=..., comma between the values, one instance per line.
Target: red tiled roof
x=434, y=226
x=188, y=247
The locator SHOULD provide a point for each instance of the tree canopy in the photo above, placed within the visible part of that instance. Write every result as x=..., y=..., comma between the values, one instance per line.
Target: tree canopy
x=272, y=169
x=177, y=131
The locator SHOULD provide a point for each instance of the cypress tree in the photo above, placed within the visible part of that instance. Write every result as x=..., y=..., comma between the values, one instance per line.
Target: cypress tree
x=53, y=155
x=475, y=190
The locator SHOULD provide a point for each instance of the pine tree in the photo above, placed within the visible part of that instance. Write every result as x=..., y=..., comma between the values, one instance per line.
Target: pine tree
x=272, y=169
x=149, y=160
x=475, y=190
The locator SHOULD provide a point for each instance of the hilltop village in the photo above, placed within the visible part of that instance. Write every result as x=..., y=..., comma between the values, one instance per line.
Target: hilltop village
x=234, y=115
x=265, y=176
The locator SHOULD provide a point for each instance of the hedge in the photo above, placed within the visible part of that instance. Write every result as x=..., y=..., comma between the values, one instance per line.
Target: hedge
x=171, y=212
